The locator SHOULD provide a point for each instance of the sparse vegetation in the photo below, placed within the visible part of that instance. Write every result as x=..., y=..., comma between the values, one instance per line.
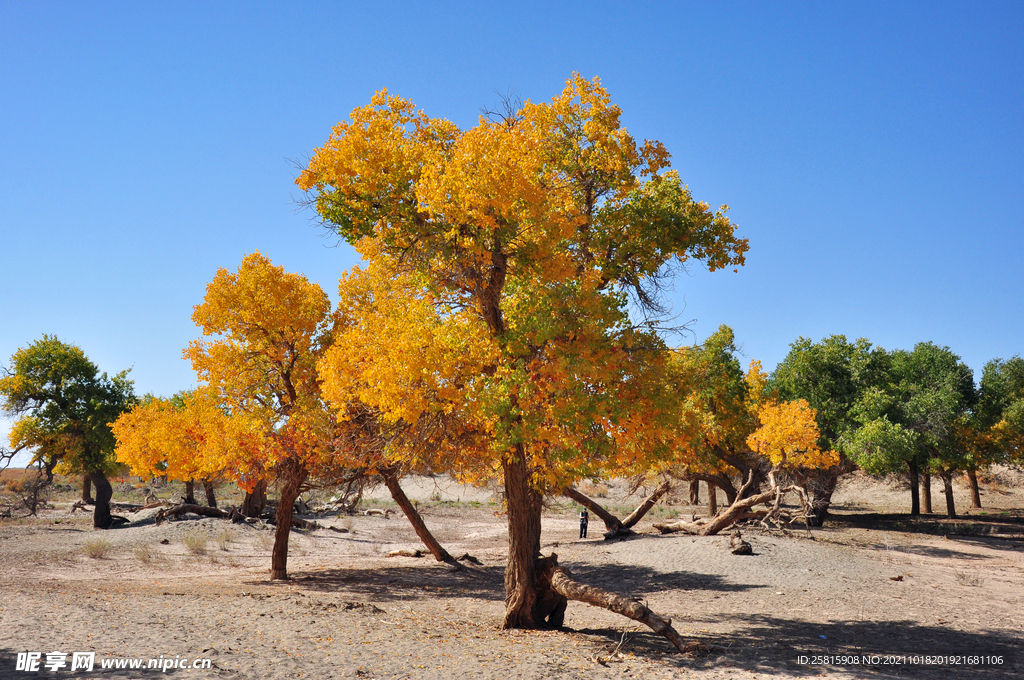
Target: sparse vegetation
x=225, y=538
x=196, y=542
x=97, y=548
x=144, y=553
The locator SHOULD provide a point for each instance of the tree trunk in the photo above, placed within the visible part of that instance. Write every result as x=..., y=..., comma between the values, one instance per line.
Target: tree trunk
x=211, y=499
x=293, y=477
x=101, y=518
x=559, y=580
x=613, y=527
x=947, y=487
x=972, y=477
x=915, y=498
x=190, y=492
x=524, y=507
x=177, y=511
x=694, y=492
x=926, y=493
x=820, y=485
x=440, y=554
x=87, y=491
x=712, y=499
x=255, y=500
x=646, y=506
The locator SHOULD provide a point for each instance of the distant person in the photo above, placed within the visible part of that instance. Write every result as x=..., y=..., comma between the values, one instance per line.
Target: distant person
x=584, y=521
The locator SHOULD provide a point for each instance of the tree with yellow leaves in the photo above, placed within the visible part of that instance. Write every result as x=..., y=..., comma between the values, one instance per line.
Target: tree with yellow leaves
x=525, y=237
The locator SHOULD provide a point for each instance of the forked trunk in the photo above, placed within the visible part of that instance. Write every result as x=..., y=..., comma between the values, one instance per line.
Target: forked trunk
x=190, y=493
x=926, y=493
x=947, y=487
x=101, y=518
x=255, y=500
x=436, y=549
x=915, y=498
x=524, y=506
x=87, y=491
x=972, y=477
x=211, y=499
x=612, y=525
x=695, y=492
x=290, y=488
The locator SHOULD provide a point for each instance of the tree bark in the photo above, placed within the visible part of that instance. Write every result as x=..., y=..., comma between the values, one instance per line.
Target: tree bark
x=947, y=487
x=179, y=510
x=559, y=580
x=926, y=493
x=211, y=498
x=647, y=504
x=101, y=518
x=613, y=527
x=292, y=479
x=190, y=492
x=524, y=509
x=712, y=499
x=436, y=549
x=694, y=492
x=87, y=491
x=972, y=477
x=255, y=500
x=915, y=498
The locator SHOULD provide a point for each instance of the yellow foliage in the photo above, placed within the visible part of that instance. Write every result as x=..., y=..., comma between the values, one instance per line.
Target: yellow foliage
x=788, y=436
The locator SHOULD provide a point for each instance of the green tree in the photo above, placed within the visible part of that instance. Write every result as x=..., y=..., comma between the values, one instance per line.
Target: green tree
x=831, y=376
x=64, y=407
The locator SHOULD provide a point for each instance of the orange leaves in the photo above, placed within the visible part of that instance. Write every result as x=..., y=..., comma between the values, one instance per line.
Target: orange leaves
x=788, y=436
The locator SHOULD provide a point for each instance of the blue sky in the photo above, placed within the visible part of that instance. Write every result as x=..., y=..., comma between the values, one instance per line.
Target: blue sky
x=871, y=152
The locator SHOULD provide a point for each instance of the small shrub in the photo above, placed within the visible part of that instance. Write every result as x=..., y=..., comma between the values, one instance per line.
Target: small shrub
x=264, y=541
x=225, y=538
x=97, y=549
x=196, y=542
x=966, y=579
x=144, y=554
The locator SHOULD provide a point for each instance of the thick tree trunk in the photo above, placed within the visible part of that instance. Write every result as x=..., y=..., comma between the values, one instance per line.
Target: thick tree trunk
x=820, y=485
x=101, y=518
x=524, y=507
x=712, y=499
x=613, y=527
x=87, y=491
x=556, y=579
x=293, y=477
x=915, y=498
x=972, y=477
x=435, y=548
x=211, y=498
x=255, y=500
x=190, y=492
x=947, y=487
x=926, y=493
x=178, y=510
x=694, y=492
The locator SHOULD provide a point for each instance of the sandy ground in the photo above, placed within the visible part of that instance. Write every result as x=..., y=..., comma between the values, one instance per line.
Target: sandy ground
x=348, y=612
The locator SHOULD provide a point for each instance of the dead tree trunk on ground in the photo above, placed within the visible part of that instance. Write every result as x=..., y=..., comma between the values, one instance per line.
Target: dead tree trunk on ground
x=558, y=586
x=436, y=549
x=741, y=509
x=615, y=527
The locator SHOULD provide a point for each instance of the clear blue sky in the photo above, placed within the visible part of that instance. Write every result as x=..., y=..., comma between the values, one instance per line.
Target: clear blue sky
x=871, y=152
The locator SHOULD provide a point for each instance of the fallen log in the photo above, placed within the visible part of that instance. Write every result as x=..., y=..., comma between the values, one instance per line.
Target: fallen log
x=404, y=553
x=176, y=511
x=558, y=579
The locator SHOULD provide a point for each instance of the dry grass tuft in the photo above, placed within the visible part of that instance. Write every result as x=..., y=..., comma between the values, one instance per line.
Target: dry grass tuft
x=196, y=542
x=98, y=548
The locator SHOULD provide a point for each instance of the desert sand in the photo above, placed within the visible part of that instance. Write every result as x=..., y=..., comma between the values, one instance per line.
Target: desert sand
x=849, y=588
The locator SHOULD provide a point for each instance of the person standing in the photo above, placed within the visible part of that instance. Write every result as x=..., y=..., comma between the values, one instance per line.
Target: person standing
x=584, y=521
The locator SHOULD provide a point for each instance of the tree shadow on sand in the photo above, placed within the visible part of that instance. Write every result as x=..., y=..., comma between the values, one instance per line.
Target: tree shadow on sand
x=763, y=644
x=389, y=583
